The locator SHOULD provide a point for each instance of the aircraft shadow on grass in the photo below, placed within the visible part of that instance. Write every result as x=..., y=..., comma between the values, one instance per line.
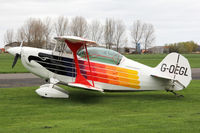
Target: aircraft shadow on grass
x=95, y=97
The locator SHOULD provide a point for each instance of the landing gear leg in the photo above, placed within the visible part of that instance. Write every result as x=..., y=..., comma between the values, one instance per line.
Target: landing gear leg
x=176, y=94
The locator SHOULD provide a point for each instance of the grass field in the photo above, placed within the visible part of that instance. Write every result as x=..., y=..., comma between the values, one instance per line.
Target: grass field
x=154, y=59
x=150, y=60
x=6, y=61
x=22, y=110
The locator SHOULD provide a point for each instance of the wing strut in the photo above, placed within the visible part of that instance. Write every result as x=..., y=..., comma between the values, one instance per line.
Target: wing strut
x=75, y=46
x=89, y=65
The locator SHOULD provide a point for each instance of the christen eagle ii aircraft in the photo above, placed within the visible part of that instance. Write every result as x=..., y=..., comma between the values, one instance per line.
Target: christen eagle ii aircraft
x=100, y=69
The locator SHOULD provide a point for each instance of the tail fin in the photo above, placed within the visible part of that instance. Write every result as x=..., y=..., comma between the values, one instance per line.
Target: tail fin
x=176, y=68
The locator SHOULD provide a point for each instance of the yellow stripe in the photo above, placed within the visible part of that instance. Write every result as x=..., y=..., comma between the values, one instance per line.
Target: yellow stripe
x=123, y=79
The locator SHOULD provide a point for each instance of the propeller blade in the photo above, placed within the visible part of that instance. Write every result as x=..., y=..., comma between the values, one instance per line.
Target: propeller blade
x=15, y=60
x=17, y=55
x=21, y=44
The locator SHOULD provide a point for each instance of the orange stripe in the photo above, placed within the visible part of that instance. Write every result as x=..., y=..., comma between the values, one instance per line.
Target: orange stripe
x=113, y=75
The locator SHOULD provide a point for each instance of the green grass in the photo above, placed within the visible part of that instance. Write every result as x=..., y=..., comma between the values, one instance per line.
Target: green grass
x=6, y=61
x=147, y=59
x=154, y=59
x=22, y=110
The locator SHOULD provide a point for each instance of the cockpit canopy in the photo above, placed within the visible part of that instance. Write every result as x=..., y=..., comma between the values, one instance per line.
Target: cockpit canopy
x=101, y=55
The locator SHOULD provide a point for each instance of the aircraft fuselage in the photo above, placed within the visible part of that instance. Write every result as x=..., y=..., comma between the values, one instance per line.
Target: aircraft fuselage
x=127, y=76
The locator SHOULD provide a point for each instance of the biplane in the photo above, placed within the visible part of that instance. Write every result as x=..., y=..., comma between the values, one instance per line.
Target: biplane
x=99, y=69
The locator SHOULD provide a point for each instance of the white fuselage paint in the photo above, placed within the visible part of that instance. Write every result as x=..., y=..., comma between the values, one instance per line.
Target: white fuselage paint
x=147, y=82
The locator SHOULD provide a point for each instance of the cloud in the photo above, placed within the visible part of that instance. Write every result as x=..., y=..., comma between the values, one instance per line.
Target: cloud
x=174, y=20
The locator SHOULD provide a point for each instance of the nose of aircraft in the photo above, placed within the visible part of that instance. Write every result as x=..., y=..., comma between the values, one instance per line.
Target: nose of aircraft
x=14, y=50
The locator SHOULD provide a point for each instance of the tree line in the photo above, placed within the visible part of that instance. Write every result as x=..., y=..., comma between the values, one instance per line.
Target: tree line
x=113, y=32
x=181, y=47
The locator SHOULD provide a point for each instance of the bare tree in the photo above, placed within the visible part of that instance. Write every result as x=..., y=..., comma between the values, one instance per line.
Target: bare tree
x=9, y=36
x=27, y=28
x=20, y=35
x=38, y=33
x=148, y=36
x=47, y=30
x=109, y=32
x=79, y=26
x=33, y=31
x=95, y=31
x=119, y=33
x=61, y=26
x=137, y=31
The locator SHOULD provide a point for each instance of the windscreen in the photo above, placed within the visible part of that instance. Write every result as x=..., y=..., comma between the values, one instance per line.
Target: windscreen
x=101, y=55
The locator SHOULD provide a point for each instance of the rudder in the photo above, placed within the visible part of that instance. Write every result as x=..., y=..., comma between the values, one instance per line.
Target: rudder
x=176, y=68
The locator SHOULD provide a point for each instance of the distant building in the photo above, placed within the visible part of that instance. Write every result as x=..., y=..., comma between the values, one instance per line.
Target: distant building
x=124, y=50
x=129, y=50
x=157, y=50
x=198, y=48
x=50, y=46
x=92, y=45
x=144, y=51
x=13, y=44
x=120, y=50
x=2, y=50
x=132, y=50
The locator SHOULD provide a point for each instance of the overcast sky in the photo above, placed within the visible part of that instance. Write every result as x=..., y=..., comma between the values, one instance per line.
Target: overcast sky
x=173, y=20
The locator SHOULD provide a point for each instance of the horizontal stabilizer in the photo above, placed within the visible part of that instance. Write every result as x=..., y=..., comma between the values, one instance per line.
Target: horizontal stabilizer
x=85, y=87
x=162, y=76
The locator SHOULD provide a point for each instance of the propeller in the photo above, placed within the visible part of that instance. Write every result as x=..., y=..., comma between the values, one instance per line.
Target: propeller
x=17, y=55
x=15, y=59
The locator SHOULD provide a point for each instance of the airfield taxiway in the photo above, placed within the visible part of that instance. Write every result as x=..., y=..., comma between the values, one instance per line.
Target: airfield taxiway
x=28, y=79
x=19, y=80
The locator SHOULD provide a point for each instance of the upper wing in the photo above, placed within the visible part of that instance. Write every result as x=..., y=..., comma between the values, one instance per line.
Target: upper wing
x=74, y=39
